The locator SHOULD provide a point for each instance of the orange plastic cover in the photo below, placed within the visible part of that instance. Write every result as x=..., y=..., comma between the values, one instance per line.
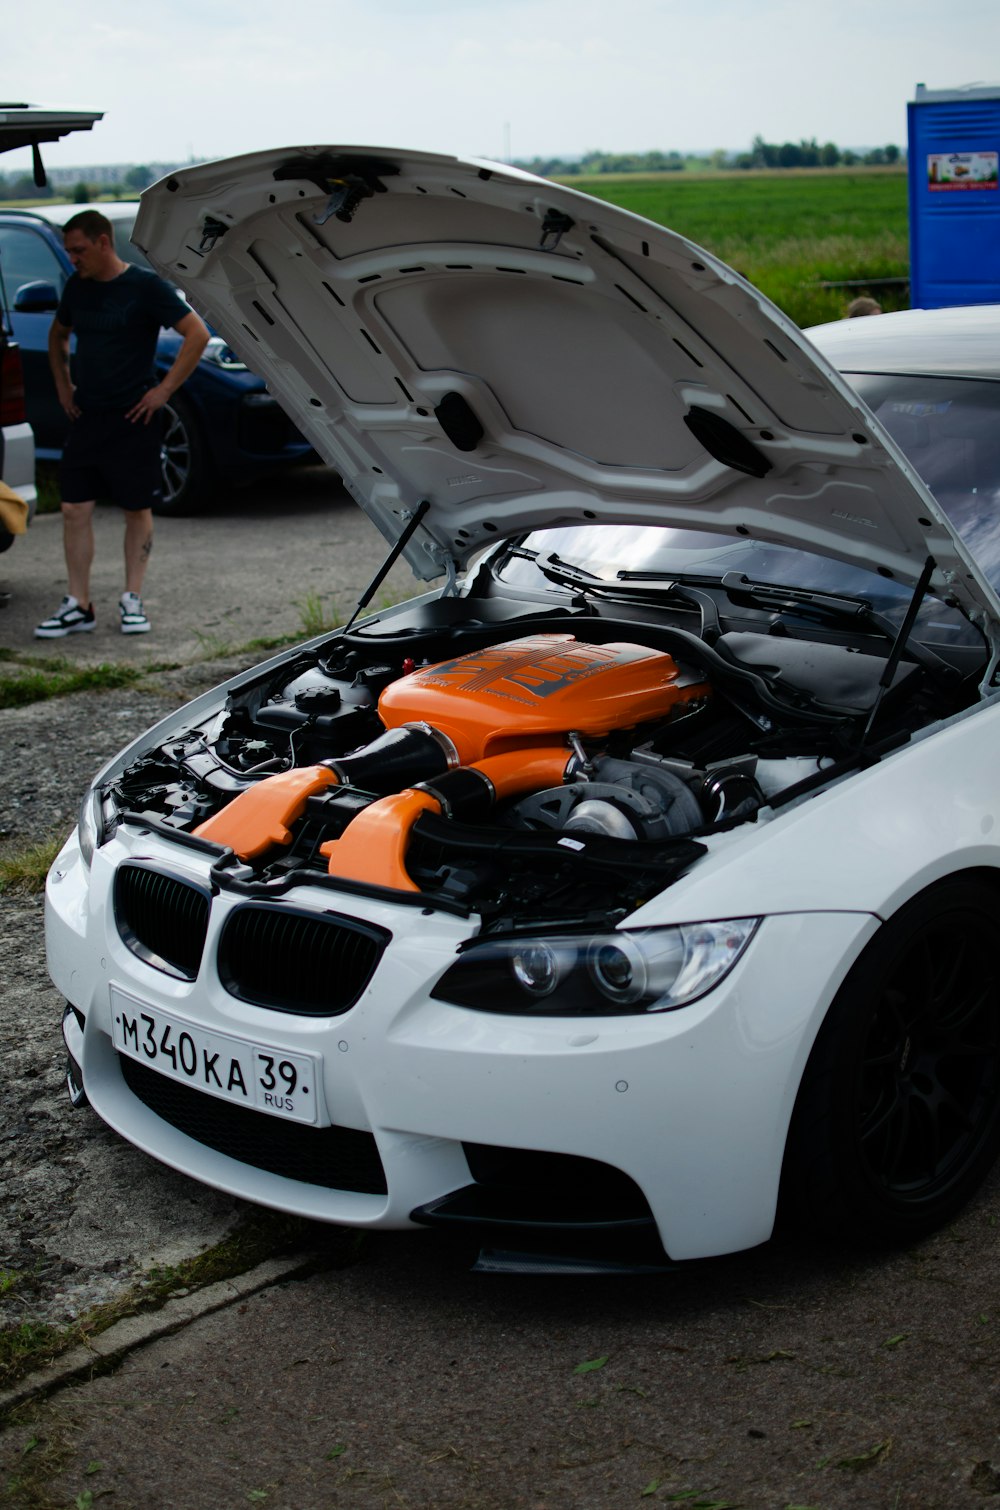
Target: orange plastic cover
x=527, y=690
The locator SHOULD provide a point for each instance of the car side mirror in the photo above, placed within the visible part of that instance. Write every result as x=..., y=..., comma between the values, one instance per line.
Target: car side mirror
x=36, y=298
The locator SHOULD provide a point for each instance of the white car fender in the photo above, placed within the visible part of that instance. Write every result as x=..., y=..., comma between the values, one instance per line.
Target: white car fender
x=869, y=843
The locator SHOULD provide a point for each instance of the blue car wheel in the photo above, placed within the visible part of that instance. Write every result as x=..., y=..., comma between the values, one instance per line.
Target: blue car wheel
x=183, y=461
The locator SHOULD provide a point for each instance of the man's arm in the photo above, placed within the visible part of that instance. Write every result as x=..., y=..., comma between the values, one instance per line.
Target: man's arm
x=59, y=362
x=195, y=338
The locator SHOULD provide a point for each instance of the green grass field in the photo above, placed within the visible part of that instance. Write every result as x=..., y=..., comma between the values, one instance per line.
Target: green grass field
x=785, y=232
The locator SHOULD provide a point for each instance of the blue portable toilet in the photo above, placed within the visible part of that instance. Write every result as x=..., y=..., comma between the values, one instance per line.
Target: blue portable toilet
x=954, y=147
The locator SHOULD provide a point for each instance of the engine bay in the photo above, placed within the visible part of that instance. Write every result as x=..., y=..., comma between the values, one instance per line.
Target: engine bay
x=522, y=764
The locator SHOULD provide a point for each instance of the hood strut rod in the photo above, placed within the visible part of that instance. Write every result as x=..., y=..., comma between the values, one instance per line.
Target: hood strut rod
x=390, y=560
x=899, y=643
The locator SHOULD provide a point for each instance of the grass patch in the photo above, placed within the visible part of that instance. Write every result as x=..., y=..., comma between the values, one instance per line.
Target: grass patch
x=30, y=1340
x=263, y=1235
x=313, y=616
x=25, y=871
x=212, y=647
x=30, y=679
x=314, y=619
x=786, y=233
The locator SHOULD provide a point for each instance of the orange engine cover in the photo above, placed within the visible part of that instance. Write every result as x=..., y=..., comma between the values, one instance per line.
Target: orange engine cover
x=528, y=690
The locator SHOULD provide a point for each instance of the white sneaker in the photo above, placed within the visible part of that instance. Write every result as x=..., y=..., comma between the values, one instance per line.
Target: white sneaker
x=69, y=618
x=133, y=618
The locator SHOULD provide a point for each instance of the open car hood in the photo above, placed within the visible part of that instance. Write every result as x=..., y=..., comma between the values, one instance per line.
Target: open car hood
x=514, y=354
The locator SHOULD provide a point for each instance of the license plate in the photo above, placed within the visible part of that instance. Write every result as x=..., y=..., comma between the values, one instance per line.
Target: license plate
x=254, y=1075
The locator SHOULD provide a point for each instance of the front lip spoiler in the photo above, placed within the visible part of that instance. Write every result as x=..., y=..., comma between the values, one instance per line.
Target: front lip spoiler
x=513, y=1261
x=516, y=1239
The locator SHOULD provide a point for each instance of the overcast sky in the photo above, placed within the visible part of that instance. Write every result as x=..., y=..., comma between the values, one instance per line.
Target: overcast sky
x=209, y=78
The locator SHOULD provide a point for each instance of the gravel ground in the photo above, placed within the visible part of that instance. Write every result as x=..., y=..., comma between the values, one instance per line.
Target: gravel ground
x=82, y=1210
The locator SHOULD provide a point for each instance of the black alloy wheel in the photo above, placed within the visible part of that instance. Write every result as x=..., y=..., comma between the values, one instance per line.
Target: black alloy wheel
x=183, y=462
x=897, y=1121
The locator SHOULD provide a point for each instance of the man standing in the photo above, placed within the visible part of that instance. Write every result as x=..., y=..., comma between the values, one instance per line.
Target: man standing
x=113, y=401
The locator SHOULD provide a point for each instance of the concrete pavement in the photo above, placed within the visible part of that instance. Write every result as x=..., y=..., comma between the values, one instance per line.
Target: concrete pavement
x=258, y=565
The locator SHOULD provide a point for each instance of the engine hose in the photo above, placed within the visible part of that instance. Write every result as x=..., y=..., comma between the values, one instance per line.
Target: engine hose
x=373, y=846
x=263, y=815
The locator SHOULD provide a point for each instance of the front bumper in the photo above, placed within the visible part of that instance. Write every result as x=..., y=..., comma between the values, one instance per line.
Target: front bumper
x=692, y=1105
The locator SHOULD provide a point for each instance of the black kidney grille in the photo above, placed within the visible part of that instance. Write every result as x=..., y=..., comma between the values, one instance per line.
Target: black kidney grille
x=297, y=961
x=337, y=1158
x=162, y=920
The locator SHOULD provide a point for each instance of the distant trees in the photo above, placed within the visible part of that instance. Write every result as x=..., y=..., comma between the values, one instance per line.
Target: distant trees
x=24, y=187
x=809, y=154
x=139, y=178
x=801, y=154
x=593, y=163
x=630, y=162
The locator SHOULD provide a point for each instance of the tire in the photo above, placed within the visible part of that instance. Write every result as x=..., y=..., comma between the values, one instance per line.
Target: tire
x=897, y=1120
x=183, y=461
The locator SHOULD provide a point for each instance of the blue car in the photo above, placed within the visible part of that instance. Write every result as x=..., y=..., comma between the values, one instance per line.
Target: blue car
x=223, y=424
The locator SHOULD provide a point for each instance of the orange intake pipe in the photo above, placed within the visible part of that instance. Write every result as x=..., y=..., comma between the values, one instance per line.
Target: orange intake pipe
x=373, y=847
x=263, y=814
x=519, y=771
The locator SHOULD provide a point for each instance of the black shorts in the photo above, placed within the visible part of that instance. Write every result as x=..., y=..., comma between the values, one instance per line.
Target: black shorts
x=107, y=456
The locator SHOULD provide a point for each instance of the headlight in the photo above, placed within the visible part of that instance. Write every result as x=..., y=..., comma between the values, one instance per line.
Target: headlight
x=221, y=355
x=646, y=970
x=90, y=825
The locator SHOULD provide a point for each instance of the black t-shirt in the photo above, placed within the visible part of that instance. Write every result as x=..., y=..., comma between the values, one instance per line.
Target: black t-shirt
x=117, y=325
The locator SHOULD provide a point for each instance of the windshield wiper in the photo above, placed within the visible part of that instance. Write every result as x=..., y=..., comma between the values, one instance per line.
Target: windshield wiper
x=800, y=598
x=565, y=575
x=766, y=594
x=839, y=607
x=780, y=598
x=735, y=585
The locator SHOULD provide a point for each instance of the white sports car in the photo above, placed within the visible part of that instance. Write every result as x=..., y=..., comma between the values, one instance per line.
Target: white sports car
x=646, y=869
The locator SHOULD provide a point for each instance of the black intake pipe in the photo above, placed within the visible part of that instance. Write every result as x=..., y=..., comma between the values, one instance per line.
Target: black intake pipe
x=396, y=759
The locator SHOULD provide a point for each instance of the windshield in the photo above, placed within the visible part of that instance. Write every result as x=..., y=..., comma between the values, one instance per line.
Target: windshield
x=949, y=428
x=608, y=551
